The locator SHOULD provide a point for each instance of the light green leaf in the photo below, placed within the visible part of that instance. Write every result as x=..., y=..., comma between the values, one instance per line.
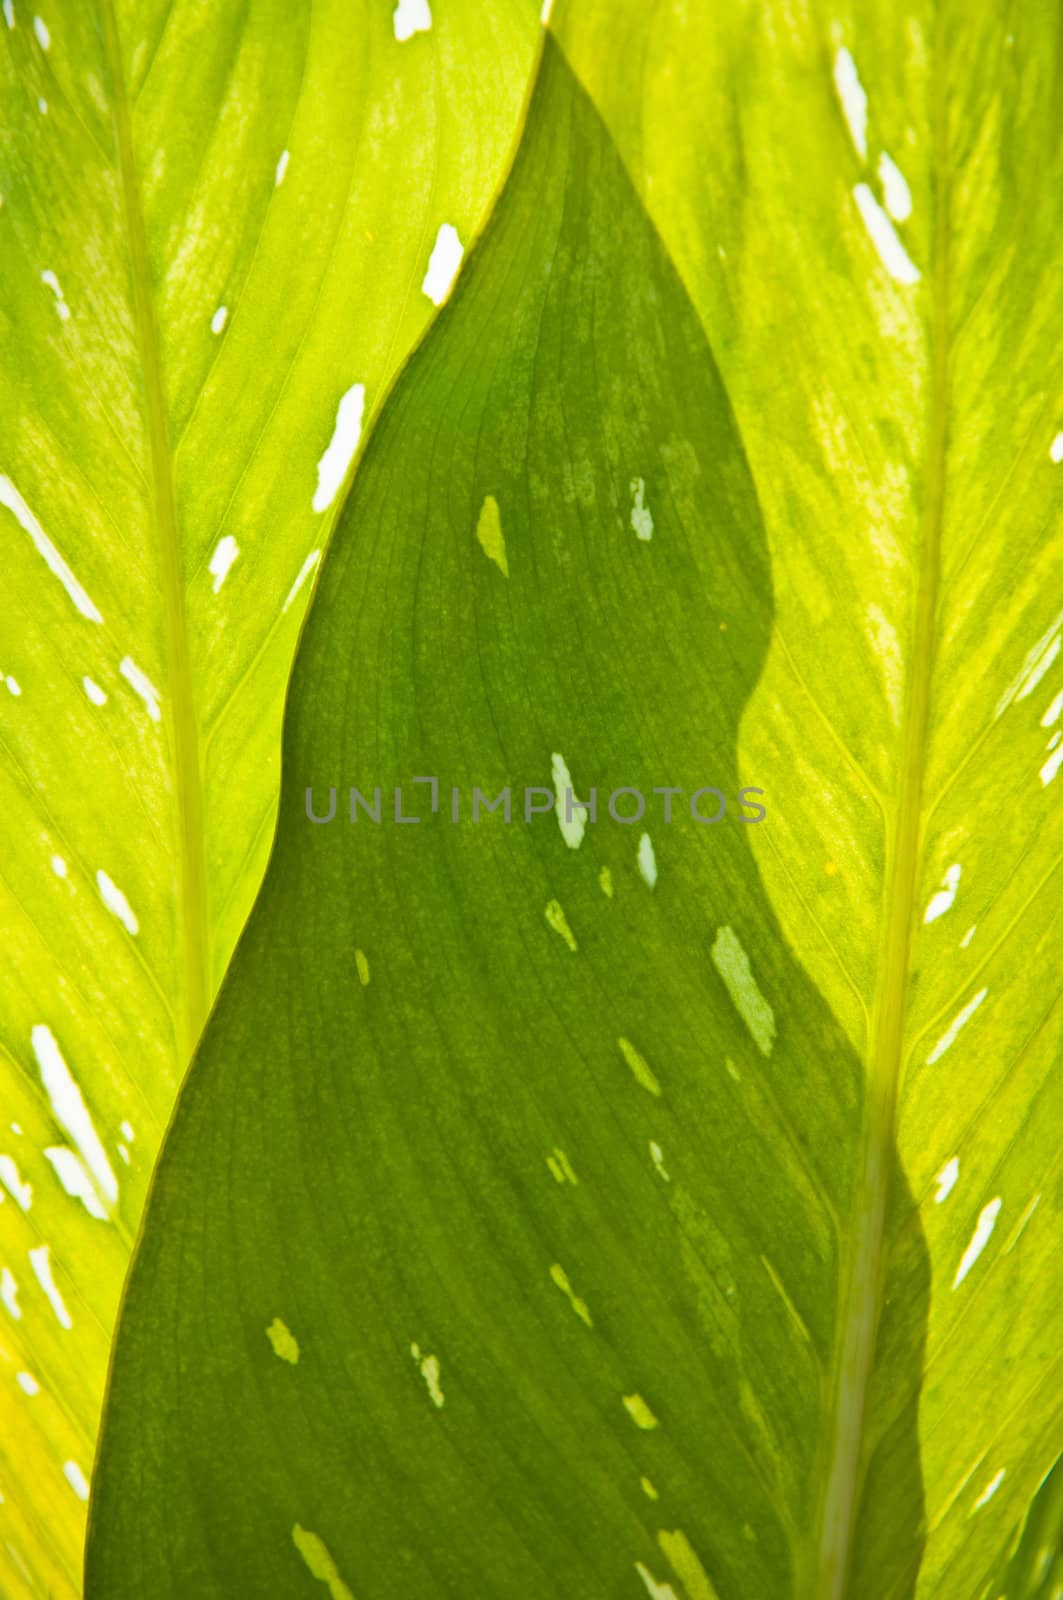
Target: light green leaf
x=905, y=440
x=216, y=222
x=674, y=1218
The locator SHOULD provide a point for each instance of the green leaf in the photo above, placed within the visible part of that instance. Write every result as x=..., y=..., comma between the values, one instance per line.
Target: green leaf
x=1035, y=1569
x=673, y=1217
x=215, y=222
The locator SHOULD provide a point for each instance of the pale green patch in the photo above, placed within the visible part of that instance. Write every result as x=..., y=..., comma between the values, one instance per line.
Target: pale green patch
x=557, y=920
x=285, y=1345
x=890, y=656
x=430, y=1371
x=657, y=1157
x=572, y=826
x=639, y=1412
x=641, y=516
x=641, y=1070
x=732, y=963
x=685, y=1563
x=361, y=961
x=561, y=1167
x=656, y=1591
x=489, y=534
x=319, y=1562
x=649, y=1489
x=605, y=882
x=560, y=1277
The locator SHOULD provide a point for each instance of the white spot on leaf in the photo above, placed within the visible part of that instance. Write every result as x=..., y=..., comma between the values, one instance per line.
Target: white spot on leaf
x=40, y=28
x=116, y=902
x=1037, y=672
x=76, y=1479
x=895, y=190
x=853, y=99
x=10, y=497
x=1034, y=666
x=339, y=453
x=946, y=1179
x=1051, y=766
x=647, y=860
x=443, y=265
x=304, y=572
x=987, y=1221
x=732, y=963
x=990, y=1489
x=94, y=692
x=9, y=1294
x=225, y=553
x=142, y=685
x=411, y=16
x=282, y=168
x=40, y=1261
x=894, y=257
x=49, y=278
x=219, y=319
x=70, y=1111
x=943, y=900
x=75, y=1180
x=948, y=1038
x=21, y=1193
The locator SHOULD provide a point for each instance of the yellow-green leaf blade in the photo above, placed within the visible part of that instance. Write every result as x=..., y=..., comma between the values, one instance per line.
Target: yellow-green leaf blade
x=194, y=200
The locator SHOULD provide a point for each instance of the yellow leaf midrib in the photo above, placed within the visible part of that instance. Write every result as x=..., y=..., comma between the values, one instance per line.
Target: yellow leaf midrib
x=192, y=1000
x=860, y=1299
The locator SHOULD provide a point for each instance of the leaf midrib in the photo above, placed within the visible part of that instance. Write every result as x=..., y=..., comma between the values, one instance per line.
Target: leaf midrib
x=193, y=929
x=861, y=1297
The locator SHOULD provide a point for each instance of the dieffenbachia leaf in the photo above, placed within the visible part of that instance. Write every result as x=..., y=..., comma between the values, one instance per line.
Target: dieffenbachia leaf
x=222, y=228
x=602, y=1208
x=868, y=212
